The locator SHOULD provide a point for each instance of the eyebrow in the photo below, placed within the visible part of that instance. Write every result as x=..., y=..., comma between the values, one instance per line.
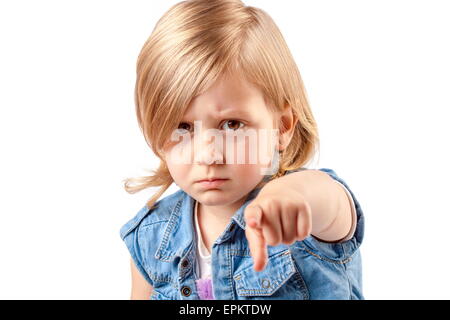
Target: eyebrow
x=233, y=112
x=237, y=111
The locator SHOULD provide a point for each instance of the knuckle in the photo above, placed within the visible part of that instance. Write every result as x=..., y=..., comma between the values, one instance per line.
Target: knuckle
x=274, y=240
x=268, y=203
x=250, y=213
x=303, y=233
x=248, y=210
x=289, y=240
x=302, y=206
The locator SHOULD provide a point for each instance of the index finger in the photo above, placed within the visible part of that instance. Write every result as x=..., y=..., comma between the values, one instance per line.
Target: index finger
x=257, y=244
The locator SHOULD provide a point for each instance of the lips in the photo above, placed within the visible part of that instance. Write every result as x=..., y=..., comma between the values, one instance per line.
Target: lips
x=211, y=179
x=212, y=183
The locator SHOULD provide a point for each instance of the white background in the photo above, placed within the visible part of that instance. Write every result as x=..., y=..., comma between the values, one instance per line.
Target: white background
x=377, y=74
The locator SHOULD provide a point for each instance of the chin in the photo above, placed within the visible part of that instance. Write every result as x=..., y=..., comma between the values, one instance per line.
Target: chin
x=215, y=197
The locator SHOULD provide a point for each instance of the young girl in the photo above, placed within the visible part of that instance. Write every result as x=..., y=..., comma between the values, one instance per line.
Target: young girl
x=233, y=230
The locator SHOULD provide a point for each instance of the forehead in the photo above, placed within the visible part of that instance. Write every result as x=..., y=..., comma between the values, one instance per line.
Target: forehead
x=228, y=96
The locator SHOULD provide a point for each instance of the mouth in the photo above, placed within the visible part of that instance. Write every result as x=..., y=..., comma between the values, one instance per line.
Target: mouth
x=212, y=183
x=212, y=179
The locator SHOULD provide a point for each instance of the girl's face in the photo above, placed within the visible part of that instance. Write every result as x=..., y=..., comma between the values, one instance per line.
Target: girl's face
x=230, y=104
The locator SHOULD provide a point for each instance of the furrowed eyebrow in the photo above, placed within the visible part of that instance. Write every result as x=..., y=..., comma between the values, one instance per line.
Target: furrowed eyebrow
x=237, y=112
x=231, y=114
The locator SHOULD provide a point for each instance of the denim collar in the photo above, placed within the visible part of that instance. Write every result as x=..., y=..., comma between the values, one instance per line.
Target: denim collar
x=179, y=232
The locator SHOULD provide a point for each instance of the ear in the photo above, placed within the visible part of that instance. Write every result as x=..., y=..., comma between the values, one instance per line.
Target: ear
x=287, y=122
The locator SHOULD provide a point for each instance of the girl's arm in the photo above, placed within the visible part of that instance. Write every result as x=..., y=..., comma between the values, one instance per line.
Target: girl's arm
x=330, y=206
x=140, y=288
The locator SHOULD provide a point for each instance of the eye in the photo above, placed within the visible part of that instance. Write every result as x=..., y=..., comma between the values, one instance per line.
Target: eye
x=184, y=126
x=234, y=124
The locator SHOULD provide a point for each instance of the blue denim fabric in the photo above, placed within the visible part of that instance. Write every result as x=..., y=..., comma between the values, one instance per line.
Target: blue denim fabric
x=162, y=243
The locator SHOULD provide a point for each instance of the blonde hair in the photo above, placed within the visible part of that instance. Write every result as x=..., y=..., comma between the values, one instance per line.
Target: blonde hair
x=191, y=46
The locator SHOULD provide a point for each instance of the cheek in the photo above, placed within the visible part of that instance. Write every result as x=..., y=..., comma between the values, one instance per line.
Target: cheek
x=179, y=172
x=245, y=177
x=256, y=149
x=249, y=171
x=179, y=153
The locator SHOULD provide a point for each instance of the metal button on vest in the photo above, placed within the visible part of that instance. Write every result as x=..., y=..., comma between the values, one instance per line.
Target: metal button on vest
x=186, y=291
x=265, y=283
x=185, y=263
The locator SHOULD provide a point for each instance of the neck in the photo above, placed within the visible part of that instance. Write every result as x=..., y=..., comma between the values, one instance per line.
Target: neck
x=219, y=215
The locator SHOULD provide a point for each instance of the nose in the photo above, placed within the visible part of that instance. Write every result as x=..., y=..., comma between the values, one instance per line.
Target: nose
x=208, y=148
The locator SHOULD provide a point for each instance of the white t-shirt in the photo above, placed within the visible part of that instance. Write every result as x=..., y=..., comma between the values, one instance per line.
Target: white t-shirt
x=204, y=256
x=204, y=284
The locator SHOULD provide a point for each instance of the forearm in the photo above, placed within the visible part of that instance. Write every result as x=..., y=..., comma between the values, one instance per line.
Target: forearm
x=330, y=206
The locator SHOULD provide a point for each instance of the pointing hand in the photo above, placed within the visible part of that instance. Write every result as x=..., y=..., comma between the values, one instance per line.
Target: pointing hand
x=275, y=216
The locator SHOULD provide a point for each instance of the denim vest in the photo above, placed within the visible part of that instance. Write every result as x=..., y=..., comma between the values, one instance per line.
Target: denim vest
x=162, y=243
